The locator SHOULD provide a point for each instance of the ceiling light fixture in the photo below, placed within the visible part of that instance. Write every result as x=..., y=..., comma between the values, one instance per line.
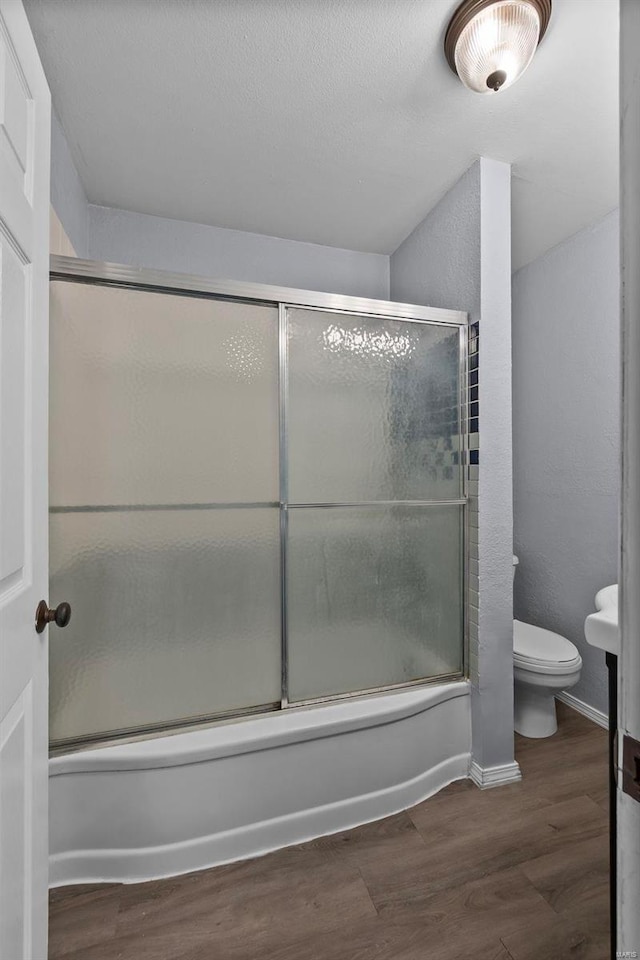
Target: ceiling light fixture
x=490, y=43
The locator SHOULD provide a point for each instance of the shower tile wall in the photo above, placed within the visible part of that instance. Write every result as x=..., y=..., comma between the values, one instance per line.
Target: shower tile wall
x=472, y=413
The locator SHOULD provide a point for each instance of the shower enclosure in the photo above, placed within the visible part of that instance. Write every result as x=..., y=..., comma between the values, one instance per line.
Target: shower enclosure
x=257, y=499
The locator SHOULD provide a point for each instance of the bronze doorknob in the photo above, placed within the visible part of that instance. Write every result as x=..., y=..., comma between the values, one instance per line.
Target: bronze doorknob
x=44, y=615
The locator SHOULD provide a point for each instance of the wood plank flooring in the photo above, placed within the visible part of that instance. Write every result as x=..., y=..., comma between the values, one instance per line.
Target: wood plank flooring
x=515, y=873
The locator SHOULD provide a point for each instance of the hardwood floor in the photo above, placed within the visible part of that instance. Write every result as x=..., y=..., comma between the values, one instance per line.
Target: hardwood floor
x=515, y=873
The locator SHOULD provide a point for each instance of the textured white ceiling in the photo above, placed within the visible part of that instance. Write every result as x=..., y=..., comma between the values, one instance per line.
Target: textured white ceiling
x=330, y=121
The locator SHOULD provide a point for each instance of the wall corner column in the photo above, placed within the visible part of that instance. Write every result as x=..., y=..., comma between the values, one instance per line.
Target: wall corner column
x=491, y=640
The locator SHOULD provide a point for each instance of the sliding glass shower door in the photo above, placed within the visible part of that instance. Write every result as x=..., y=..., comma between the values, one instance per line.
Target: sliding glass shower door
x=164, y=532
x=374, y=509
x=252, y=505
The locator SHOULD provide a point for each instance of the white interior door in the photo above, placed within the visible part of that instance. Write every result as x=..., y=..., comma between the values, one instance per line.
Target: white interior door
x=24, y=253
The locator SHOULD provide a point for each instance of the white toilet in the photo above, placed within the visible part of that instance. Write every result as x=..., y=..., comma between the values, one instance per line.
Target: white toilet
x=544, y=663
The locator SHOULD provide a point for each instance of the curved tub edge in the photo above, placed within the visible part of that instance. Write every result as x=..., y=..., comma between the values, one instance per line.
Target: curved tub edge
x=265, y=732
x=127, y=827
x=154, y=863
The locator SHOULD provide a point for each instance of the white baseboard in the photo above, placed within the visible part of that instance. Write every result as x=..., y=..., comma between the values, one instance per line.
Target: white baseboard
x=488, y=777
x=585, y=709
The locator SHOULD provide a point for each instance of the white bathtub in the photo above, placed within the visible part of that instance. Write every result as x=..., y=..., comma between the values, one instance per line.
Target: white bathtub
x=173, y=804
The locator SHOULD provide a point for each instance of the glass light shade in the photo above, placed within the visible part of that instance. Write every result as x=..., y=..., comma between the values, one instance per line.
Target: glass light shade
x=500, y=40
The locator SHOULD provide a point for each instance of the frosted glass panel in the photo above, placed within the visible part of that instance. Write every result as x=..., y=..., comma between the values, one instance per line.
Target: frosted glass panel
x=161, y=399
x=176, y=614
x=374, y=409
x=374, y=597
x=165, y=536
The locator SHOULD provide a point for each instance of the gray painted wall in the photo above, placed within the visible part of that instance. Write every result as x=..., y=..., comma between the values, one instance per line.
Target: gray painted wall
x=460, y=257
x=67, y=193
x=566, y=425
x=439, y=263
x=143, y=241
x=121, y=236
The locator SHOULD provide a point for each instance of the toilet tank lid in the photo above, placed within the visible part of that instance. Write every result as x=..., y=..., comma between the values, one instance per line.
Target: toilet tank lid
x=535, y=643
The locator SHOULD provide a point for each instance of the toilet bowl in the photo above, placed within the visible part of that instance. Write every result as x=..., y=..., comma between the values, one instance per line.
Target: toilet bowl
x=544, y=663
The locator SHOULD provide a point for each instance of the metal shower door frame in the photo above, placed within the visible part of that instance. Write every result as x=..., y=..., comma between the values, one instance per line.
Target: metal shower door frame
x=285, y=298
x=286, y=505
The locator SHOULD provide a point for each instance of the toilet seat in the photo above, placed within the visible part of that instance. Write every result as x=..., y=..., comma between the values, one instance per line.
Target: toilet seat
x=542, y=651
